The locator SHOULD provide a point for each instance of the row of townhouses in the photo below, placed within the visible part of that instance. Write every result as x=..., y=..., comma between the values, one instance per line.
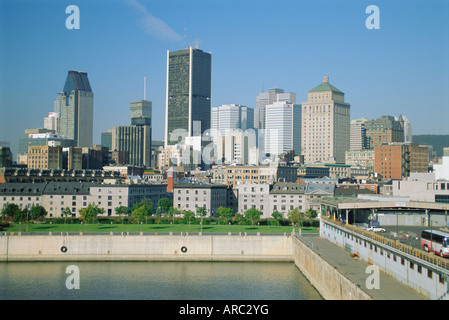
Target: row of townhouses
x=56, y=196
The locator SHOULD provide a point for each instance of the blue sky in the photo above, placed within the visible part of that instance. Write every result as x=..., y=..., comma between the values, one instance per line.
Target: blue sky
x=402, y=68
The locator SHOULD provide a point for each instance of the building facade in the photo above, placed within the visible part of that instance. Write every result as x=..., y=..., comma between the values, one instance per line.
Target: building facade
x=422, y=187
x=75, y=107
x=237, y=175
x=188, y=92
x=358, y=138
x=325, y=124
x=397, y=160
x=385, y=129
x=282, y=128
x=189, y=194
x=57, y=196
x=265, y=98
x=363, y=158
x=140, y=108
x=45, y=157
x=228, y=117
x=135, y=140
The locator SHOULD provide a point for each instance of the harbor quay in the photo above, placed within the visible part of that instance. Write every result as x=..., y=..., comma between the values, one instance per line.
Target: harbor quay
x=332, y=270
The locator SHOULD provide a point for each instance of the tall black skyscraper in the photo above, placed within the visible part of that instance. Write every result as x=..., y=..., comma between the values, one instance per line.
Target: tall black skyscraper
x=189, y=91
x=75, y=106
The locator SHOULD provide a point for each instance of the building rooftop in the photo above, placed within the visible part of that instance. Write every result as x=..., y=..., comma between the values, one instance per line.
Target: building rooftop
x=191, y=182
x=288, y=188
x=326, y=86
x=320, y=188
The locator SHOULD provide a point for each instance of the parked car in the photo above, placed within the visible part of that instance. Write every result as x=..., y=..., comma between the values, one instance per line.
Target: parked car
x=376, y=229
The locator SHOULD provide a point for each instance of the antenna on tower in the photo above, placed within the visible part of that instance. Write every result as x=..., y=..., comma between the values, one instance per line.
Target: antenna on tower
x=144, y=88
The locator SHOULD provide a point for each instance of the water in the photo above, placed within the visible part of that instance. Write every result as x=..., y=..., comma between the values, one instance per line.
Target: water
x=155, y=281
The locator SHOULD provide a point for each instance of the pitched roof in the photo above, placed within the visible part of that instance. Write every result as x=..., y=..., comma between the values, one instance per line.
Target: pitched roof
x=326, y=86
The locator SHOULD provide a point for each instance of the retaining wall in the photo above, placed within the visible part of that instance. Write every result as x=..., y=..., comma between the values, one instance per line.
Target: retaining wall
x=330, y=282
x=146, y=247
x=427, y=278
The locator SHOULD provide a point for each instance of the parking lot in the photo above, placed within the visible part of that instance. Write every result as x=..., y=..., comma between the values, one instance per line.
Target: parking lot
x=410, y=235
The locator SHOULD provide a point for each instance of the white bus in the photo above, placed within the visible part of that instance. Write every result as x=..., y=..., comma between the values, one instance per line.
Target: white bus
x=435, y=241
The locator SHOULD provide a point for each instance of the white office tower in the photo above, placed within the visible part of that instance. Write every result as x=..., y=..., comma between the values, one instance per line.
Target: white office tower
x=358, y=139
x=52, y=122
x=407, y=130
x=231, y=126
x=228, y=117
x=283, y=128
x=265, y=98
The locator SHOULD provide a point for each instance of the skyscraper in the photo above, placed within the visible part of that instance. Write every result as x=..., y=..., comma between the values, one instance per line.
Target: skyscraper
x=134, y=140
x=325, y=124
x=52, y=121
x=75, y=107
x=358, y=138
x=140, y=108
x=229, y=131
x=228, y=117
x=188, y=91
x=283, y=128
x=265, y=98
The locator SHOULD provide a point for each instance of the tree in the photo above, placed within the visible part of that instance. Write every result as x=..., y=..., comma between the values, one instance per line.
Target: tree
x=225, y=213
x=189, y=216
x=201, y=212
x=10, y=211
x=122, y=211
x=294, y=216
x=88, y=214
x=253, y=215
x=239, y=218
x=140, y=213
x=22, y=215
x=164, y=204
x=310, y=215
x=141, y=210
x=297, y=217
x=38, y=212
x=66, y=212
x=277, y=216
x=172, y=212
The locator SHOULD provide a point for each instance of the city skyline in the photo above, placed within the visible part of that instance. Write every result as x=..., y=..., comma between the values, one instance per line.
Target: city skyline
x=402, y=68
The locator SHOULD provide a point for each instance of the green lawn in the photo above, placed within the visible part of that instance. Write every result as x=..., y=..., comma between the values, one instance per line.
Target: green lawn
x=152, y=228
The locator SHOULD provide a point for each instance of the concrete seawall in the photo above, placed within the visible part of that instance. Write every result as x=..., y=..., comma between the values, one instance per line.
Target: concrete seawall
x=331, y=283
x=146, y=248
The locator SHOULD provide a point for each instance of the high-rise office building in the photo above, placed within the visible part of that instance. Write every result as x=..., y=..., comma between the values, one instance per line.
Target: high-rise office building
x=135, y=140
x=228, y=117
x=325, y=124
x=385, y=129
x=265, y=98
x=140, y=108
x=407, y=125
x=106, y=139
x=75, y=107
x=282, y=128
x=358, y=138
x=52, y=122
x=188, y=92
